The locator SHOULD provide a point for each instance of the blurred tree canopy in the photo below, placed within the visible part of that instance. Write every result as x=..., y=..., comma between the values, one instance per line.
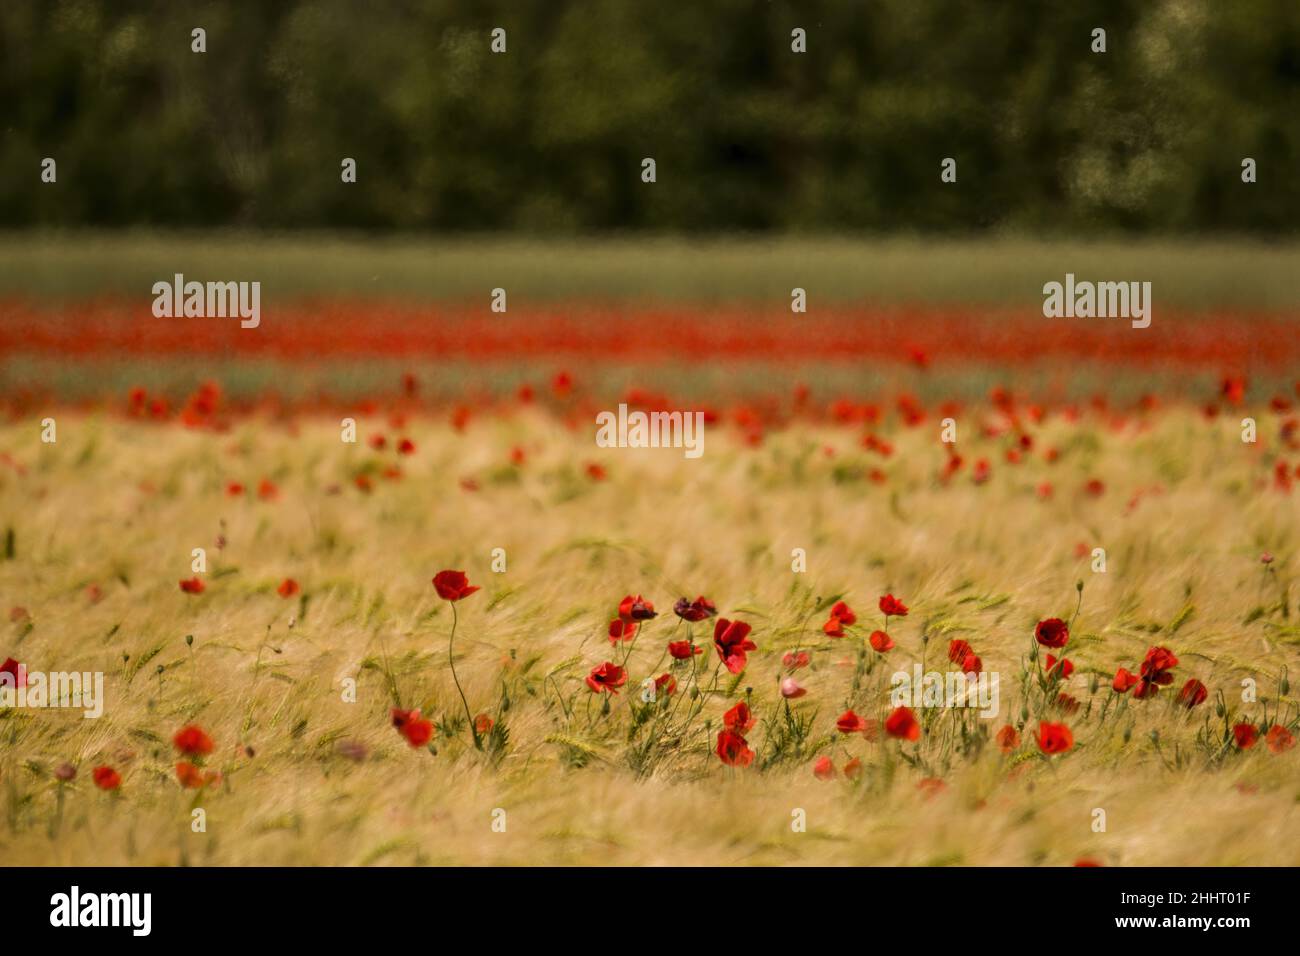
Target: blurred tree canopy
x=747, y=135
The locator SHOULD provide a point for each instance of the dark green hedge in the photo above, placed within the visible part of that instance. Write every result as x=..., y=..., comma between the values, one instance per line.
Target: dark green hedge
x=548, y=138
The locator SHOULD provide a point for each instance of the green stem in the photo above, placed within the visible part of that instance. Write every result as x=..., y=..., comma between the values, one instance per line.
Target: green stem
x=451, y=659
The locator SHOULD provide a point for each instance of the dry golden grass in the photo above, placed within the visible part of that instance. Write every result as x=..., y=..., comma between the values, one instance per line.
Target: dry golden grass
x=121, y=505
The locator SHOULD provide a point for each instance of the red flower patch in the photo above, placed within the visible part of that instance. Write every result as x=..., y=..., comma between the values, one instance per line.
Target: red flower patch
x=731, y=638
x=453, y=585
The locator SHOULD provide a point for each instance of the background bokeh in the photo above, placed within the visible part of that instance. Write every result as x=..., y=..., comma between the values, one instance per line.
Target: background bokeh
x=548, y=138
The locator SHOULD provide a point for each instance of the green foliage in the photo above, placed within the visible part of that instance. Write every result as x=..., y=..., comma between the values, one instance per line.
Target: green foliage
x=548, y=137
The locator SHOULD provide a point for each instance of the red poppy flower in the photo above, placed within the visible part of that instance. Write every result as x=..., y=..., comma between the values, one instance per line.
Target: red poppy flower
x=635, y=609
x=850, y=723
x=696, y=610
x=483, y=724
x=1233, y=388
x=192, y=778
x=1155, y=671
x=824, y=769
x=1086, y=862
x=1193, y=693
x=733, y=750
x=1124, y=680
x=971, y=664
x=794, y=661
x=902, y=723
x=1279, y=739
x=189, y=775
x=834, y=627
x=288, y=588
x=608, y=677
x=406, y=447
x=412, y=726
x=1067, y=703
x=621, y=630
x=683, y=650
x=1246, y=735
x=192, y=741
x=193, y=586
x=1054, y=738
x=891, y=606
x=844, y=613
x=1059, y=669
x=1052, y=632
x=853, y=769
x=453, y=585
x=731, y=638
x=106, y=778
x=377, y=442
x=136, y=400
x=234, y=489
x=738, y=720
x=957, y=651
x=1158, y=659
x=596, y=472
x=1008, y=739
x=791, y=689
x=266, y=490
x=16, y=671
x=881, y=641
x=666, y=683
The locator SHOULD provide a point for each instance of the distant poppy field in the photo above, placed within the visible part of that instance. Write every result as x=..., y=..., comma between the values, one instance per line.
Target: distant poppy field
x=364, y=589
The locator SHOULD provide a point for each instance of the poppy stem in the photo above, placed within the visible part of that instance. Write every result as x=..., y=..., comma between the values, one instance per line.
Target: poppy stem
x=451, y=659
x=1077, y=608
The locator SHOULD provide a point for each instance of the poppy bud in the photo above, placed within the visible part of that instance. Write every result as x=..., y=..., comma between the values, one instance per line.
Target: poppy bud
x=604, y=708
x=1218, y=708
x=189, y=640
x=1284, y=685
x=1092, y=684
x=1078, y=585
x=695, y=692
x=1128, y=734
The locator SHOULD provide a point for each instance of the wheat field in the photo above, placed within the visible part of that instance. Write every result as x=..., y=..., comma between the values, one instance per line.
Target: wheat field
x=102, y=524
